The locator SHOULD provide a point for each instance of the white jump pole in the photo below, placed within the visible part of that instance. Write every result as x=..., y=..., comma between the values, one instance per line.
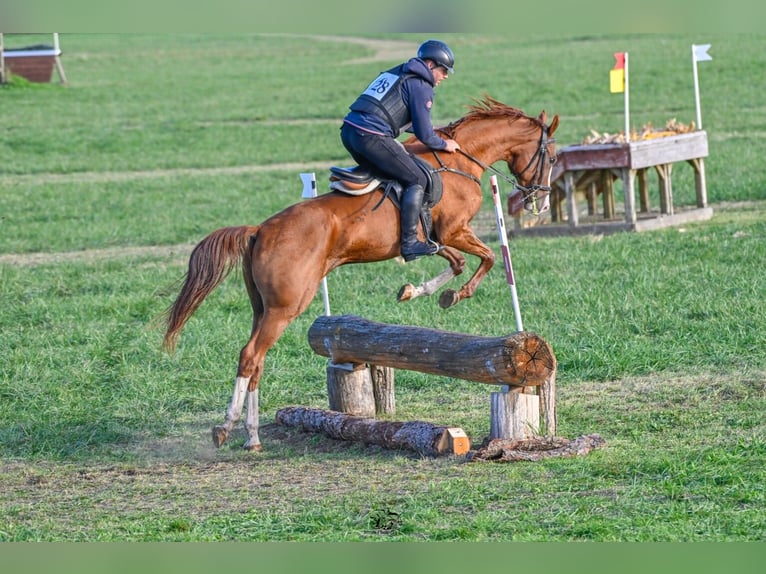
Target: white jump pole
x=503, y=235
x=627, y=101
x=506, y=252
x=310, y=190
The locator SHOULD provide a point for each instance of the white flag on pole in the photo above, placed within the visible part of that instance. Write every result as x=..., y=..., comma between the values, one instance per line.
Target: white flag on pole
x=700, y=53
x=309, y=185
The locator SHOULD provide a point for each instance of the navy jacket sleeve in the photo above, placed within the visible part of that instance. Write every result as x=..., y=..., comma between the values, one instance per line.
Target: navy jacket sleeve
x=420, y=97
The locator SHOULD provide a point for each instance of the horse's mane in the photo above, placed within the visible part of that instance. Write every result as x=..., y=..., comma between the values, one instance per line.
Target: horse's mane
x=485, y=108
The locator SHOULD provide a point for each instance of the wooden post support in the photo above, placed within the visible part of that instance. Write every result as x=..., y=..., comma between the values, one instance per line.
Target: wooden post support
x=699, y=181
x=514, y=415
x=518, y=414
x=571, y=192
x=547, y=393
x=607, y=191
x=519, y=359
x=643, y=191
x=666, y=188
x=59, y=65
x=628, y=183
x=349, y=389
x=383, y=389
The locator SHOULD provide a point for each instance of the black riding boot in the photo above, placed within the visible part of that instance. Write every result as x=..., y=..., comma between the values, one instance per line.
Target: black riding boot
x=412, y=201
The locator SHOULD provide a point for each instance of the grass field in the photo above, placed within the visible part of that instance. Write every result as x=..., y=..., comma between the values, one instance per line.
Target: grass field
x=108, y=182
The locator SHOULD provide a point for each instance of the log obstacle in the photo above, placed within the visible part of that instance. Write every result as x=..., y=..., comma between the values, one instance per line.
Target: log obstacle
x=424, y=438
x=360, y=382
x=519, y=359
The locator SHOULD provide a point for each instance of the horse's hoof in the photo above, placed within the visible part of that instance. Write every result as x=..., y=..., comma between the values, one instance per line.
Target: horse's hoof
x=448, y=298
x=220, y=434
x=405, y=293
x=252, y=447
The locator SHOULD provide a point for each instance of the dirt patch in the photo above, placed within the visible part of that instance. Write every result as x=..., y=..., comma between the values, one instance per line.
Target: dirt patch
x=116, y=176
x=90, y=255
x=383, y=50
x=185, y=476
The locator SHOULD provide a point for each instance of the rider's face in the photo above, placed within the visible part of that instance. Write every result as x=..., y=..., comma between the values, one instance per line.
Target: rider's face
x=440, y=73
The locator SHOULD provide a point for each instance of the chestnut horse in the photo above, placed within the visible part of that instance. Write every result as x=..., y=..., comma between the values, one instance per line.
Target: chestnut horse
x=285, y=258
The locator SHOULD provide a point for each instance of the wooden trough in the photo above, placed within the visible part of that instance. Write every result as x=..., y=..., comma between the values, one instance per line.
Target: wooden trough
x=34, y=63
x=363, y=355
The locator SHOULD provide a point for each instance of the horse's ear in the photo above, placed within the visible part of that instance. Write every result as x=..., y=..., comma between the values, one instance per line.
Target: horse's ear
x=543, y=117
x=554, y=125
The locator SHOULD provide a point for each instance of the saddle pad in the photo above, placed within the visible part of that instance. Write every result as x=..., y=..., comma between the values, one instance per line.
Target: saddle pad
x=338, y=185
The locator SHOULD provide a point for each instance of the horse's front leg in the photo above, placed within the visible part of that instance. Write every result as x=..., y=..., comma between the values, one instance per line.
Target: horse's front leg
x=409, y=291
x=457, y=264
x=469, y=243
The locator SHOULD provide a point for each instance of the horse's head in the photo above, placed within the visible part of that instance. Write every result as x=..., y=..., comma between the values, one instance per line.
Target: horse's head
x=493, y=131
x=531, y=164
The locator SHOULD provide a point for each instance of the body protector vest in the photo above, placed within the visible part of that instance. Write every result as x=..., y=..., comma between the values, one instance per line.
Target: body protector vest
x=383, y=98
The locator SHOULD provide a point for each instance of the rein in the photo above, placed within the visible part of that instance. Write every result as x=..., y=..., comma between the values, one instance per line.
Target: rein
x=445, y=167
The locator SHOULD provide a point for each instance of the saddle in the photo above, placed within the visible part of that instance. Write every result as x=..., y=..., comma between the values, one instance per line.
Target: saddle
x=359, y=180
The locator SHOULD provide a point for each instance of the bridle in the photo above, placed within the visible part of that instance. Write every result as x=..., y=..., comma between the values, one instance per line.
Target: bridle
x=540, y=156
x=529, y=193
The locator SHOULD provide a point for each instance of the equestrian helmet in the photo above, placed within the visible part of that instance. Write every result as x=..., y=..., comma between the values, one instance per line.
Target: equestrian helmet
x=437, y=52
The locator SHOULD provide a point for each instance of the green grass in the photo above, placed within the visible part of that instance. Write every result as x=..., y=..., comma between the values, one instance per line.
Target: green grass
x=158, y=140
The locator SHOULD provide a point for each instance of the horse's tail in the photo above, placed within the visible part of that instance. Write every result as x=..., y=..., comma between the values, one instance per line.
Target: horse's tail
x=210, y=263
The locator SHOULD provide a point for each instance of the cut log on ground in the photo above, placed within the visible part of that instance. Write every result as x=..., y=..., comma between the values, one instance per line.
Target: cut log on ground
x=519, y=359
x=421, y=437
x=534, y=449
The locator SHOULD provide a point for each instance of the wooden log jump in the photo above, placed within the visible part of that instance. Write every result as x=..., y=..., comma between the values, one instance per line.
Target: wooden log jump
x=520, y=359
x=360, y=382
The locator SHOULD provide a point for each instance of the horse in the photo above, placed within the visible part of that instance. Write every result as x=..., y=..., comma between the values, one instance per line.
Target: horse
x=285, y=258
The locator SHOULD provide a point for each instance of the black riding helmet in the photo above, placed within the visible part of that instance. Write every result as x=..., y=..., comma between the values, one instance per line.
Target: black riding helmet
x=438, y=52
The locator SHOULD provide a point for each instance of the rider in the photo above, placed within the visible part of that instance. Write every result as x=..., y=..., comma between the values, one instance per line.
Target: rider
x=401, y=98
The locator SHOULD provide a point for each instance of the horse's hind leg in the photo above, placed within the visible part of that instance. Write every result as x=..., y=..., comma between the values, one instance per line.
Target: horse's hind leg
x=233, y=412
x=245, y=389
x=278, y=300
x=245, y=372
x=251, y=362
x=251, y=422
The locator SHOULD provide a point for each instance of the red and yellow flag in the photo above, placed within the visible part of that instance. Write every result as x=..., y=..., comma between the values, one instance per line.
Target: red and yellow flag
x=617, y=74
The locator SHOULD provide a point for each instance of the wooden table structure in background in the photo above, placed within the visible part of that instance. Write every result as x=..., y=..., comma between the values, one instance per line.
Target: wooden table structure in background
x=592, y=169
